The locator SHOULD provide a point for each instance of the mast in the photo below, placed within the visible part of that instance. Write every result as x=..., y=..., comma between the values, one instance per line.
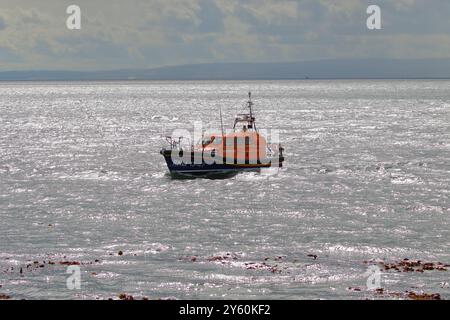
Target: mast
x=250, y=106
x=247, y=118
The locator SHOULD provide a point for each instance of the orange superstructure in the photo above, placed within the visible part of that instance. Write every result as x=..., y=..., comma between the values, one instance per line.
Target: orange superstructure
x=247, y=147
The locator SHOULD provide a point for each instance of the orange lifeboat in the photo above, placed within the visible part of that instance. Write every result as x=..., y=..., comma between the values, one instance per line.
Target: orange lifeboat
x=225, y=154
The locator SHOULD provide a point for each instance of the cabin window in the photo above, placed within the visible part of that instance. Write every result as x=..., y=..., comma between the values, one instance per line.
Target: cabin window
x=208, y=141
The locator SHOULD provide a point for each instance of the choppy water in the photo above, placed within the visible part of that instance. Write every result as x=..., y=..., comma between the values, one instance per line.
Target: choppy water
x=367, y=177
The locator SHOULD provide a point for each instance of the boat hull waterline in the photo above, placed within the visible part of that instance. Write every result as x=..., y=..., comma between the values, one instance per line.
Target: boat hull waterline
x=215, y=170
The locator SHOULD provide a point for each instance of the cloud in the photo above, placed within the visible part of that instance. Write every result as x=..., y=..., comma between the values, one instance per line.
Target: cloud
x=2, y=23
x=211, y=17
x=150, y=33
x=9, y=56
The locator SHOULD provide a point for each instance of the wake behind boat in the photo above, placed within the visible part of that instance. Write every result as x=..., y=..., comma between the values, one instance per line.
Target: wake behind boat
x=224, y=155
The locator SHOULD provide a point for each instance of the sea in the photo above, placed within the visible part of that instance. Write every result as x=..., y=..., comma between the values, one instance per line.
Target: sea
x=89, y=211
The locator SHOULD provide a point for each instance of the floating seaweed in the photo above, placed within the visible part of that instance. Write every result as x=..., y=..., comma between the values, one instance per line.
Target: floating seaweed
x=262, y=266
x=36, y=265
x=423, y=296
x=405, y=295
x=189, y=258
x=129, y=297
x=407, y=265
x=356, y=289
x=70, y=263
x=409, y=295
x=224, y=257
x=233, y=258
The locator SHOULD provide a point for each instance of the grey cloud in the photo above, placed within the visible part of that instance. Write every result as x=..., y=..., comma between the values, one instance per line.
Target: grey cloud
x=9, y=56
x=2, y=23
x=211, y=17
x=151, y=33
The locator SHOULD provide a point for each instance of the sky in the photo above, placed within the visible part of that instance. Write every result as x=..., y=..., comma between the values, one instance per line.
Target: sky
x=139, y=34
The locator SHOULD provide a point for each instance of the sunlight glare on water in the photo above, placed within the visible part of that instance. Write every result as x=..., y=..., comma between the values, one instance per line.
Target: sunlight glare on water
x=366, y=177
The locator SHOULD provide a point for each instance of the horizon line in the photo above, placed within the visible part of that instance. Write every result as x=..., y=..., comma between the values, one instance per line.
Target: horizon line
x=227, y=79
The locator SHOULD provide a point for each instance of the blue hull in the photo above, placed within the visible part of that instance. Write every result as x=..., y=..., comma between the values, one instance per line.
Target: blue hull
x=204, y=169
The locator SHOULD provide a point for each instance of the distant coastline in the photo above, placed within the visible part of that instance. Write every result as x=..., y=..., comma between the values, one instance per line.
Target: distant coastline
x=307, y=70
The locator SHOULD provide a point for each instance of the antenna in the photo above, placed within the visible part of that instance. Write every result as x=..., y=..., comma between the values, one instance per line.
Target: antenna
x=221, y=120
x=250, y=104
